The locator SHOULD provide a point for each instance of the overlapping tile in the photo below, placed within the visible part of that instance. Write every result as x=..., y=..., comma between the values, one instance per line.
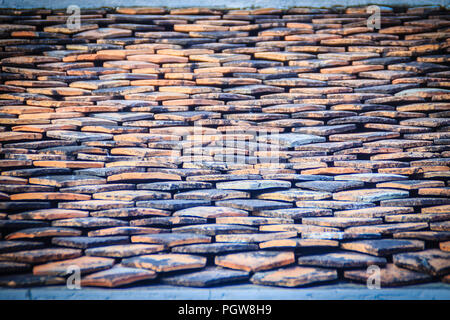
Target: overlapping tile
x=207, y=140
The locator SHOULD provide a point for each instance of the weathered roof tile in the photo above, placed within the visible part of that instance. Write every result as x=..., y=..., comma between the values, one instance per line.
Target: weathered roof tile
x=204, y=139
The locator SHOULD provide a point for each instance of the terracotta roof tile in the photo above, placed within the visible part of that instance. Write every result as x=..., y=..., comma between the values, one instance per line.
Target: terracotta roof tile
x=198, y=140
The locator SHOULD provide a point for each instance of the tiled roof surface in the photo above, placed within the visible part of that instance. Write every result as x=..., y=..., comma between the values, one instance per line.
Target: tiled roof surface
x=200, y=147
